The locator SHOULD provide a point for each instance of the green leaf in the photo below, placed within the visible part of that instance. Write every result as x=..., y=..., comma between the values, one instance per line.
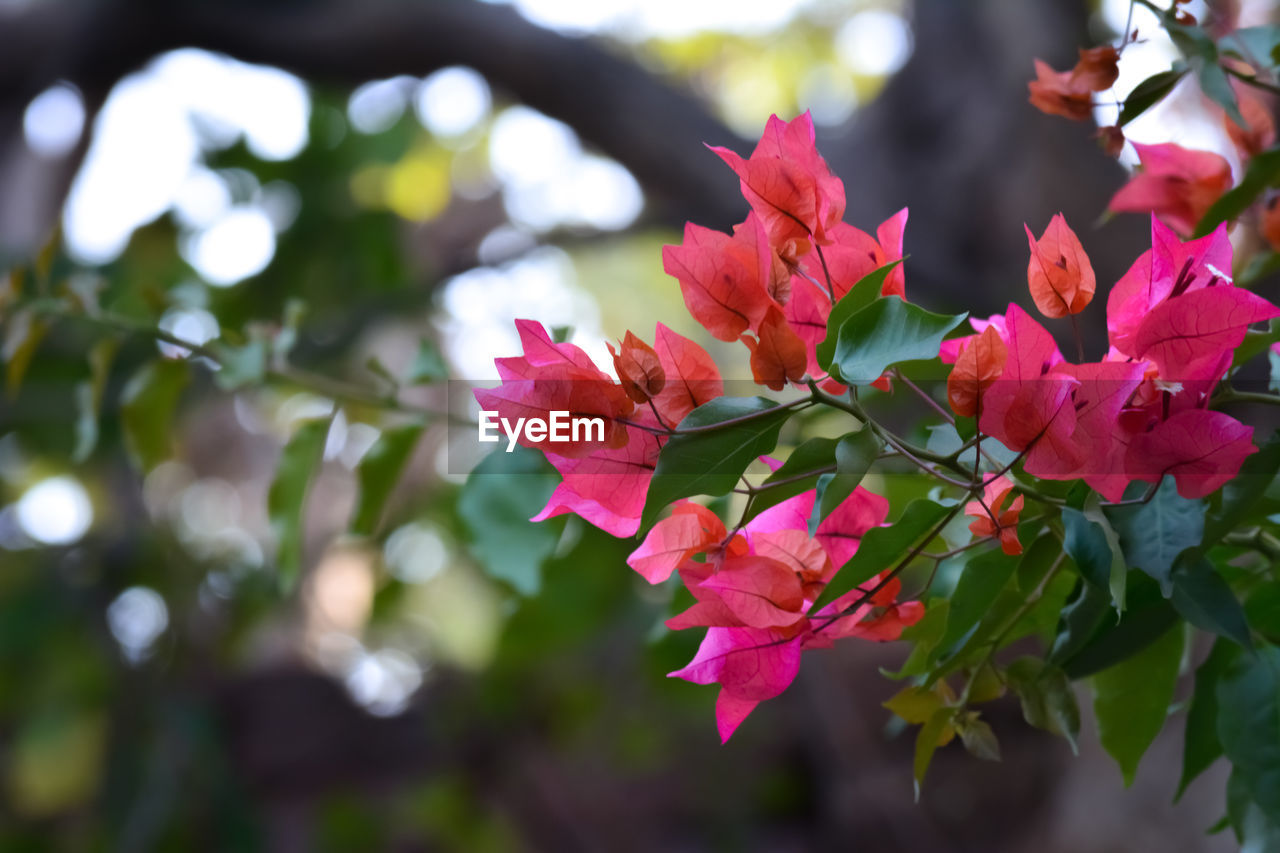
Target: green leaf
x=1263, y=264
x=89, y=397
x=882, y=547
x=983, y=578
x=1155, y=533
x=428, y=366
x=147, y=406
x=241, y=365
x=1202, y=54
x=977, y=737
x=1201, y=746
x=1205, y=600
x=884, y=333
x=1131, y=700
x=924, y=637
x=379, y=471
x=23, y=334
x=1093, y=544
x=1150, y=91
x=1262, y=172
x=806, y=463
x=287, y=498
x=710, y=461
x=862, y=294
x=1048, y=702
x=1081, y=618
x=500, y=496
x=1255, y=45
x=854, y=454
x=1147, y=615
x=1256, y=342
x=1248, y=697
x=1262, y=608
x=927, y=743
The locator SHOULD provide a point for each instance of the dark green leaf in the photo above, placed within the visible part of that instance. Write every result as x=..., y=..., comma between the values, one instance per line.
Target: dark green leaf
x=286, y=501
x=89, y=397
x=1081, y=619
x=500, y=496
x=883, y=547
x=807, y=462
x=1205, y=600
x=1048, y=702
x=884, y=333
x=1262, y=172
x=1147, y=615
x=983, y=578
x=1248, y=697
x=1131, y=700
x=23, y=333
x=862, y=294
x=924, y=637
x=710, y=461
x=854, y=454
x=1262, y=608
x=1150, y=91
x=1155, y=533
x=379, y=471
x=1201, y=746
x=147, y=406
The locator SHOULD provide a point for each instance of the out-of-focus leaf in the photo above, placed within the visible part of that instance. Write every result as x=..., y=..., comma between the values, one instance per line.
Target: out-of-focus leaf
x=55, y=762
x=854, y=454
x=1202, y=55
x=428, y=365
x=89, y=398
x=500, y=496
x=1048, y=701
x=1256, y=342
x=882, y=547
x=1201, y=746
x=935, y=733
x=23, y=333
x=1132, y=698
x=710, y=461
x=240, y=365
x=1248, y=697
x=1095, y=547
x=1262, y=172
x=379, y=471
x=924, y=635
x=287, y=498
x=147, y=407
x=977, y=737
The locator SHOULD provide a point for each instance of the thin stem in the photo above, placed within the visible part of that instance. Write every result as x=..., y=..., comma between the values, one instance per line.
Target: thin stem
x=831, y=291
x=923, y=395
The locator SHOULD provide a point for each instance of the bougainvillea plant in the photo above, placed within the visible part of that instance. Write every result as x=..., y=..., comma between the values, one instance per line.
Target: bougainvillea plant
x=1115, y=507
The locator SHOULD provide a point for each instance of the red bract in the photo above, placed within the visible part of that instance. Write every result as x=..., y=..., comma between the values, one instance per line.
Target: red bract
x=557, y=377
x=725, y=279
x=690, y=529
x=993, y=518
x=1201, y=449
x=1186, y=336
x=1177, y=184
x=1070, y=93
x=778, y=357
x=1059, y=273
x=604, y=484
x=788, y=185
x=639, y=369
x=978, y=366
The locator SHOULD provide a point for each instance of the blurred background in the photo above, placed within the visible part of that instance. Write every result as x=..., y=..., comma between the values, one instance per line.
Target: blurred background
x=376, y=190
